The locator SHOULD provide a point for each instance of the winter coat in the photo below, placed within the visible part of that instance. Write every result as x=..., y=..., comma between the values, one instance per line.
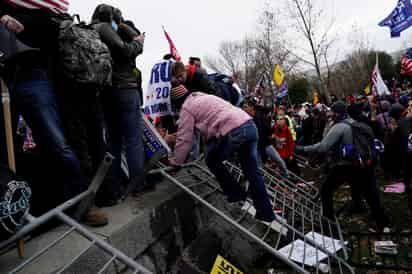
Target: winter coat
x=123, y=53
x=210, y=115
x=264, y=130
x=284, y=141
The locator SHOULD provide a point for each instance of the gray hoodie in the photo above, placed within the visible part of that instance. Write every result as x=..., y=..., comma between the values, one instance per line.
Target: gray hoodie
x=339, y=134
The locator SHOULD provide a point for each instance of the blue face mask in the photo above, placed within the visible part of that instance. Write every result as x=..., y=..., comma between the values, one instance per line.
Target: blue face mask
x=115, y=27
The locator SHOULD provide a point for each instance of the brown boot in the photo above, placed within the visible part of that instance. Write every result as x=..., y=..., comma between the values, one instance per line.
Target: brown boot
x=95, y=217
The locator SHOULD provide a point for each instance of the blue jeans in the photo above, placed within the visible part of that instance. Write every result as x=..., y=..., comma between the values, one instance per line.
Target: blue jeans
x=244, y=141
x=272, y=153
x=34, y=99
x=125, y=129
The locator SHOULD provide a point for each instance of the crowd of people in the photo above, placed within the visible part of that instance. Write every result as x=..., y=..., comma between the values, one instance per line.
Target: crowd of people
x=74, y=125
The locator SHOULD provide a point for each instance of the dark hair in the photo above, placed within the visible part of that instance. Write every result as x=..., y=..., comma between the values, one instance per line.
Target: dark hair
x=251, y=101
x=192, y=60
x=168, y=56
x=117, y=15
x=177, y=68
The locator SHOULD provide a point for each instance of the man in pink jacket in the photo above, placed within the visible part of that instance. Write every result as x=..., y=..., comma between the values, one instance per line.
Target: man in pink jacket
x=227, y=129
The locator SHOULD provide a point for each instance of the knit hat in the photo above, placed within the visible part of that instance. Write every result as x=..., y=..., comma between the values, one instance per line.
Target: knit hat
x=178, y=96
x=339, y=107
x=355, y=110
x=396, y=111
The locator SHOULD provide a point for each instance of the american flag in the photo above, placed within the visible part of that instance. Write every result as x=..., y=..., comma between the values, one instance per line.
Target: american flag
x=173, y=50
x=406, y=63
x=56, y=6
x=260, y=85
x=379, y=87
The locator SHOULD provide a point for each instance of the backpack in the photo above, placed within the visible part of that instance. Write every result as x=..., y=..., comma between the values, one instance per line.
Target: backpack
x=225, y=88
x=83, y=57
x=361, y=152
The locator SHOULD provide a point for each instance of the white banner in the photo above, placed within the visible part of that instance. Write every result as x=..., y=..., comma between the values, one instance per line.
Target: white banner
x=156, y=99
x=379, y=86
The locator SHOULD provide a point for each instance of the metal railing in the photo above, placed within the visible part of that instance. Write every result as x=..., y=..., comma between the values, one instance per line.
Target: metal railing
x=297, y=228
x=83, y=201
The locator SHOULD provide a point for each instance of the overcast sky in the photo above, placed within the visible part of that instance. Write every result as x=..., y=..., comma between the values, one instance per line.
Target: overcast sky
x=197, y=27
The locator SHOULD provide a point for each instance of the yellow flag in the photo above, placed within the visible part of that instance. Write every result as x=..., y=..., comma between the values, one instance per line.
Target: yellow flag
x=367, y=89
x=278, y=76
x=315, y=98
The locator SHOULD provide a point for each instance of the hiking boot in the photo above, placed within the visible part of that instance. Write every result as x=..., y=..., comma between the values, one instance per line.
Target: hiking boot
x=95, y=218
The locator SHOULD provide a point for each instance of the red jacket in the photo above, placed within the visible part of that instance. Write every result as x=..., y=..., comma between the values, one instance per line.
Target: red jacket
x=284, y=141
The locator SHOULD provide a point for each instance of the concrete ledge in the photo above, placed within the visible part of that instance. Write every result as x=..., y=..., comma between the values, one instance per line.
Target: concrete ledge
x=166, y=231
x=134, y=226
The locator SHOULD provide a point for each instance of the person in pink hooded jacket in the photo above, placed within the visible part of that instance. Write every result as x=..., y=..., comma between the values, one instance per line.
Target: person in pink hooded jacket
x=227, y=129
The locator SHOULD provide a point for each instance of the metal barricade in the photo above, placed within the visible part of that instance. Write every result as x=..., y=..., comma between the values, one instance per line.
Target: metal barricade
x=297, y=228
x=83, y=201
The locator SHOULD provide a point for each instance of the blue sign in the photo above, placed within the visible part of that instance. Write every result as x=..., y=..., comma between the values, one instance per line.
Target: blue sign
x=400, y=18
x=155, y=147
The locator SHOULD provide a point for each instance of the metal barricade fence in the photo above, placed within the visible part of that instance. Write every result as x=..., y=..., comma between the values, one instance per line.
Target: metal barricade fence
x=83, y=202
x=298, y=224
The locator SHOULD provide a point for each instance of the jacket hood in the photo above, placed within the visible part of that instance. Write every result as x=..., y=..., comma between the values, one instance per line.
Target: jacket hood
x=103, y=14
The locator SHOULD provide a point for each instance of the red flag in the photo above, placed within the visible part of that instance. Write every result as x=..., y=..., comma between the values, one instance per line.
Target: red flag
x=173, y=50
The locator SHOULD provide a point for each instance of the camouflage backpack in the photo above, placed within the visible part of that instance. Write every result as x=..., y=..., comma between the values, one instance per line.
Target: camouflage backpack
x=84, y=58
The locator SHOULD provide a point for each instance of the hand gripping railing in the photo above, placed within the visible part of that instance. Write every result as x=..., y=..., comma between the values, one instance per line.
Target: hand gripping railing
x=83, y=200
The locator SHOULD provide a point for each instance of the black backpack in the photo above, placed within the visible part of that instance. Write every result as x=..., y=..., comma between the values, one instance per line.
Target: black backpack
x=361, y=152
x=84, y=58
x=225, y=88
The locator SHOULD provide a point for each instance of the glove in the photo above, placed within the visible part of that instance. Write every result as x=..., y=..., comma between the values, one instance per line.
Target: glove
x=299, y=149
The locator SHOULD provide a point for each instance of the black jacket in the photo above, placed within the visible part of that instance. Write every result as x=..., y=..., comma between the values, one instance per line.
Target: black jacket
x=264, y=130
x=40, y=31
x=405, y=132
x=123, y=53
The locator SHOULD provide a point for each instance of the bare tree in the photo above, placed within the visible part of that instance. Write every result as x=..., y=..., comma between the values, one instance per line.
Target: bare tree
x=236, y=58
x=352, y=74
x=229, y=60
x=312, y=24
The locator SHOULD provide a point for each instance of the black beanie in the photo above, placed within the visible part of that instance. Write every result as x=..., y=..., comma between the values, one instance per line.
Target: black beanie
x=355, y=110
x=396, y=111
x=339, y=107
